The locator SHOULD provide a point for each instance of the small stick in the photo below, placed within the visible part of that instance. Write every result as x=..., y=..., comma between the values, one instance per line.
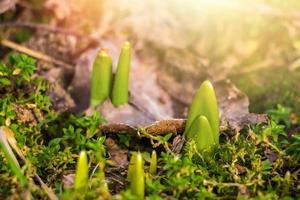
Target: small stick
x=162, y=127
x=33, y=53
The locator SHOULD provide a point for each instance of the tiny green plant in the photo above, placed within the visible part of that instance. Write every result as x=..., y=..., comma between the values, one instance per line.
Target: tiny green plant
x=82, y=172
x=130, y=170
x=153, y=163
x=103, y=187
x=101, y=78
x=11, y=159
x=202, y=133
x=137, y=177
x=204, y=104
x=120, y=86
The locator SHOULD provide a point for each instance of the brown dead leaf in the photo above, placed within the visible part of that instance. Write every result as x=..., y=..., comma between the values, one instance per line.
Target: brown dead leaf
x=270, y=155
x=240, y=169
x=24, y=114
x=118, y=156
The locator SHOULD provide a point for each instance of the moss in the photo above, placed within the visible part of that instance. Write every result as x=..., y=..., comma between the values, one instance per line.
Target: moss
x=260, y=162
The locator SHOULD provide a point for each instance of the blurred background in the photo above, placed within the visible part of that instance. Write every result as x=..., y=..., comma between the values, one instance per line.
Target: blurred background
x=253, y=43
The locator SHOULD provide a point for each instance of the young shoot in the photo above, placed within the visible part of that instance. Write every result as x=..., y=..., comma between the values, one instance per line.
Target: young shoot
x=204, y=103
x=101, y=81
x=103, y=188
x=153, y=163
x=130, y=170
x=120, y=86
x=137, y=177
x=202, y=133
x=82, y=172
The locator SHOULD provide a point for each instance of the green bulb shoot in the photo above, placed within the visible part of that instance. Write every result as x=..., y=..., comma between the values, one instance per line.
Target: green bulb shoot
x=120, y=86
x=204, y=103
x=11, y=159
x=82, y=172
x=202, y=133
x=101, y=82
x=137, y=178
x=153, y=164
x=130, y=171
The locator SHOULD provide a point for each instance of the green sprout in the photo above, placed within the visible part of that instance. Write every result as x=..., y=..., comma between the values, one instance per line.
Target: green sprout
x=204, y=104
x=82, y=172
x=153, y=163
x=101, y=78
x=103, y=188
x=120, y=86
x=11, y=159
x=202, y=133
x=130, y=171
x=136, y=176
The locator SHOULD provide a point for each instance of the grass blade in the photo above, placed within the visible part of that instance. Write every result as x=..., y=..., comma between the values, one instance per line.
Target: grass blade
x=11, y=159
x=10, y=136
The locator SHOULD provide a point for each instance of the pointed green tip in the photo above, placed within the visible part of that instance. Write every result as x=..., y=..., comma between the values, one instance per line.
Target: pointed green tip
x=82, y=156
x=202, y=119
x=207, y=83
x=126, y=45
x=139, y=159
x=103, y=53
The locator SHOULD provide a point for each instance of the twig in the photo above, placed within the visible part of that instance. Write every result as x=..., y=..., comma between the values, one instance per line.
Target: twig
x=175, y=126
x=33, y=53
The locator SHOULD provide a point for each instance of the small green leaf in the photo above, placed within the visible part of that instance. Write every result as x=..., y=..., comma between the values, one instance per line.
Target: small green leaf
x=167, y=137
x=5, y=81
